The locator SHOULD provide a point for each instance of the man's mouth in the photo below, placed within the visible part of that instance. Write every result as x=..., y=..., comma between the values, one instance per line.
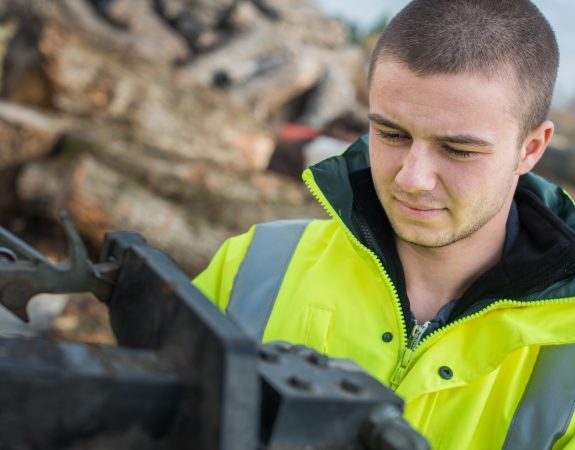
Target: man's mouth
x=418, y=210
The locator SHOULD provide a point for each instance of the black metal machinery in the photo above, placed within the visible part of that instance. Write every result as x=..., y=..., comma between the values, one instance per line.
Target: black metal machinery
x=183, y=376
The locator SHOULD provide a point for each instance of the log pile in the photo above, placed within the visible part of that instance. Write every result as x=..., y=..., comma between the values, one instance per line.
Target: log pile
x=160, y=116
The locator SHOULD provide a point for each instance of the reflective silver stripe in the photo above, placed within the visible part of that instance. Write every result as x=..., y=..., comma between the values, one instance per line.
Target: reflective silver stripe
x=546, y=409
x=261, y=273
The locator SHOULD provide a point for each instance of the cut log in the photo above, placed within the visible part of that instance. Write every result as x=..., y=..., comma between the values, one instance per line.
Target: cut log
x=262, y=69
x=208, y=13
x=154, y=37
x=101, y=198
x=20, y=144
x=23, y=76
x=258, y=69
x=25, y=135
x=304, y=22
x=41, y=121
x=183, y=122
x=145, y=35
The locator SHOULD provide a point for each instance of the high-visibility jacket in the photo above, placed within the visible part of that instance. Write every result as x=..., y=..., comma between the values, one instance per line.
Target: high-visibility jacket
x=499, y=374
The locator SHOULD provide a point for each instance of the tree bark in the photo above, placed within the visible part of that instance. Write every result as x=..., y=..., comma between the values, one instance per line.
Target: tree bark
x=101, y=198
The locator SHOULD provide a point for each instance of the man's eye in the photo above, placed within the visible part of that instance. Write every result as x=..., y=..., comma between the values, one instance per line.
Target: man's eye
x=392, y=137
x=457, y=154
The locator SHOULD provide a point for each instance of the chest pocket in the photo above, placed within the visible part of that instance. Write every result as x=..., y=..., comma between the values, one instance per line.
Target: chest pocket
x=318, y=326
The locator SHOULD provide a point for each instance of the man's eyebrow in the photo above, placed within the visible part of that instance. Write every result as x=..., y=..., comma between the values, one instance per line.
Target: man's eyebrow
x=380, y=120
x=460, y=139
x=465, y=139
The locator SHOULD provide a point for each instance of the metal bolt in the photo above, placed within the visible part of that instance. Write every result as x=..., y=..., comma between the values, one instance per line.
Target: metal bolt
x=350, y=386
x=268, y=356
x=317, y=359
x=284, y=347
x=299, y=383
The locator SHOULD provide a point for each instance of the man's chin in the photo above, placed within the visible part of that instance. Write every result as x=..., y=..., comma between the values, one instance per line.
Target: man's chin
x=430, y=240
x=423, y=243
x=426, y=240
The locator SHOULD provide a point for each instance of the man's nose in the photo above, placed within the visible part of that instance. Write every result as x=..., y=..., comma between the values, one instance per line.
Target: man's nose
x=418, y=171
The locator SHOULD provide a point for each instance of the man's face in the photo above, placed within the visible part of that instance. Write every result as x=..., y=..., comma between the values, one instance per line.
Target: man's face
x=443, y=152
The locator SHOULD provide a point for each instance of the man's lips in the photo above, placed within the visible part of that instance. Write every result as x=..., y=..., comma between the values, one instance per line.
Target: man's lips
x=418, y=210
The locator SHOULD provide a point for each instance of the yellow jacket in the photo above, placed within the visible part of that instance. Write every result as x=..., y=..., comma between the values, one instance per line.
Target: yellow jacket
x=500, y=374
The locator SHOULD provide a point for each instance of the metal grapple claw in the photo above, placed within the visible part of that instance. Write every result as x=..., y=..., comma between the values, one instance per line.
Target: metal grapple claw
x=25, y=272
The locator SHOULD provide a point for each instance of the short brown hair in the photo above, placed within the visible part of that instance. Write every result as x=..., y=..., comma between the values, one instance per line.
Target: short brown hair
x=478, y=36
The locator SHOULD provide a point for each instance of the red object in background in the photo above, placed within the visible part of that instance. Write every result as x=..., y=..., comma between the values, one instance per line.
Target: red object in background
x=297, y=132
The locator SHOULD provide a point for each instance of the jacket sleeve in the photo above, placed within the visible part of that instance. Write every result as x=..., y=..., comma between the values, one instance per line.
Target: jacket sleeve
x=217, y=280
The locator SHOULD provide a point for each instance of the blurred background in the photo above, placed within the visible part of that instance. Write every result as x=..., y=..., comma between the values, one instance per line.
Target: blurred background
x=189, y=120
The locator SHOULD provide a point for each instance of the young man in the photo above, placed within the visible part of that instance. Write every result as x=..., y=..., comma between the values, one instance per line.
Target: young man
x=447, y=269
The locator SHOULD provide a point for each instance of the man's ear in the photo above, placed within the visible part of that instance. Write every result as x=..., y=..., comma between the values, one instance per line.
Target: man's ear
x=534, y=146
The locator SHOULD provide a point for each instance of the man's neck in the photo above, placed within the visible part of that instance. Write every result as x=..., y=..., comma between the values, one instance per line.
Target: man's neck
x=436, y=276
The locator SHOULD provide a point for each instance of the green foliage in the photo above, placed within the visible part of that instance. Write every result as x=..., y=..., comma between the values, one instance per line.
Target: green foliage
x=358, y=34
x=380, y=25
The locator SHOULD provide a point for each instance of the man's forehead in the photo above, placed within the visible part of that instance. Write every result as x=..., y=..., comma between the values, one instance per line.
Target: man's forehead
x=501, y=73
x=396, y=80
x=459, y=108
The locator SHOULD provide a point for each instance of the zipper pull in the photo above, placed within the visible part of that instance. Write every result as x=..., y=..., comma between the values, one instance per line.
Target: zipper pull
x=401, y=368
x=417, y=333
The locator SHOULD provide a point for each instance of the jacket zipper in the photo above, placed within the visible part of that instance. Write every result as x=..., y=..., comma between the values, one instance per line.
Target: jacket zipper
x=416, y=335
x=364, y=228
x=417, y=331
x=332, y=213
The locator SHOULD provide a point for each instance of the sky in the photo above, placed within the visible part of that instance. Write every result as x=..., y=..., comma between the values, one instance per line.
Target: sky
x=560, y=13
